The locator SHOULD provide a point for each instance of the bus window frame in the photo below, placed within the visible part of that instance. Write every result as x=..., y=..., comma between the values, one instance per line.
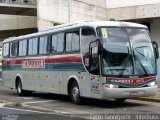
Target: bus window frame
x=8, y=56
x=56, y=33
x=49, y=42
x=10, y=43
x=28, y=46
x=71, y=31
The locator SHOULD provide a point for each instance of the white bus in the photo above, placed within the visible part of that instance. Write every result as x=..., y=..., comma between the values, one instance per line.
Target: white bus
x=92, y=59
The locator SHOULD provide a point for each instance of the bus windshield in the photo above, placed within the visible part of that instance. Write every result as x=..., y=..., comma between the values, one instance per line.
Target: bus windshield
x=127, y=51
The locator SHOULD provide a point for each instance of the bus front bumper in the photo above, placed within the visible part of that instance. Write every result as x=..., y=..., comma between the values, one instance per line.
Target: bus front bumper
x=115, y=93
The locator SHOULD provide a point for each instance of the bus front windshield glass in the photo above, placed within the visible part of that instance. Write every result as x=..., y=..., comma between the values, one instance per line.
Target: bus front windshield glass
x=127, y=51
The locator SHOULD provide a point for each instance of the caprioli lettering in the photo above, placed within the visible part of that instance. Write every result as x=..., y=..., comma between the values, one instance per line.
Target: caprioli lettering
x=33, y=64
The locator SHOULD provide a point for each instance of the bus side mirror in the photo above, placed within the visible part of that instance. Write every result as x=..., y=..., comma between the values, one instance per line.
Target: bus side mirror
x=94, y=57
x=156, y=51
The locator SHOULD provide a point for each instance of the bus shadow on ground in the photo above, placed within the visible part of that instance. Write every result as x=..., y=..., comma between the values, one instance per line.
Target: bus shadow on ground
x=63, y=99
x=88, y=101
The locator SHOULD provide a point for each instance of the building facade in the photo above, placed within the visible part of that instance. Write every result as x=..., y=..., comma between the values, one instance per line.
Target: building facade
x=17, y=17
x=53, y=12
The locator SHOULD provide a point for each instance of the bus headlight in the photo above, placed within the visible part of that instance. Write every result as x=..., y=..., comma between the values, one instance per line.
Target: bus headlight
x=152, y=84
x=110, y=86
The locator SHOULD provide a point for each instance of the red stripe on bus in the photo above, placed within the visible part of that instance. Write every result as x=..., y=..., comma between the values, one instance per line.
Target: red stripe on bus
x=48, y=60
x=65, y=59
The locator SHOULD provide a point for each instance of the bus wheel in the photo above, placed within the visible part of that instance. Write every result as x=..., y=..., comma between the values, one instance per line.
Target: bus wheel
x=19, y=88
x=120, y=100
x=75, y=93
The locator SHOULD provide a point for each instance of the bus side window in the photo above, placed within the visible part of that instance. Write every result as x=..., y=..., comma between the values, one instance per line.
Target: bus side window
x=43, y=45
x=72, y=41
x=57, y=43
x=33, y=46
x=14, y=49
x=6, y=50
x=22, y=48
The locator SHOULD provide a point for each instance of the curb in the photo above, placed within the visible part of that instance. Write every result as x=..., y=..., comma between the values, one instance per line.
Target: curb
x=156, y=100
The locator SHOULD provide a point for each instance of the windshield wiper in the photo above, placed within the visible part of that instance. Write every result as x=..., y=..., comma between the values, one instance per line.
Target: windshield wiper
x=144, y=69
x=140, y=52
x=124, y=68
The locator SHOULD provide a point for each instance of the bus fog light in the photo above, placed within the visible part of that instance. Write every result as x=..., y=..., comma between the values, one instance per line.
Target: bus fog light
x=151, y=84
x=110, y=86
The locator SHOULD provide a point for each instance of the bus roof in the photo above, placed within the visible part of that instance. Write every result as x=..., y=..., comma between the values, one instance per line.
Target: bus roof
x=93, y=24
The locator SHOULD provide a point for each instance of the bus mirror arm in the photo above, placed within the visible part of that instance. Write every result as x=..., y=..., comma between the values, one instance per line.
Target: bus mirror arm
x=156, y=51
x=100, y=49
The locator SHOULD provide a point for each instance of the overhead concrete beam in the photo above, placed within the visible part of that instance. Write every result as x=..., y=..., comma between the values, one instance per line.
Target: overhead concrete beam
x=12, y=22
x=18, y=8
x=17, y=5
x=134, y=12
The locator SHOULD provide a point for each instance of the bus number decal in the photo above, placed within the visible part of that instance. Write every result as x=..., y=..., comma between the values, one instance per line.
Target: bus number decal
x=33, y=64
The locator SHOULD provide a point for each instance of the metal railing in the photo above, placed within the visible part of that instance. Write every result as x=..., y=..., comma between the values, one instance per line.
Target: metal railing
x=21, y=2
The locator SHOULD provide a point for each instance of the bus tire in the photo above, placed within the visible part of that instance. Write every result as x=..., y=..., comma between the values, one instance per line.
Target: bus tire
x=20, y=90
x=75, y=93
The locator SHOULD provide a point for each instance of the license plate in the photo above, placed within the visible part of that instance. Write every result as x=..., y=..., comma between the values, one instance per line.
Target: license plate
x=133, y=93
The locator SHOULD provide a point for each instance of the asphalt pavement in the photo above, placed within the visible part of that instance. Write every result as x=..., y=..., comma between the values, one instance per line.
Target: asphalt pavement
x=15, y=114
x=44, y=106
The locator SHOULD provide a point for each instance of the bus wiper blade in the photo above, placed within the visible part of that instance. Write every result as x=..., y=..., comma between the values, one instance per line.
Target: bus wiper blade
x=140, y=52
x=144, y=69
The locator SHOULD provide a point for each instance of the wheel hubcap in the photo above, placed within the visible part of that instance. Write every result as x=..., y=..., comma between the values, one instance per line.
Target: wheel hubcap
x=75, y=93
x=19, y=88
